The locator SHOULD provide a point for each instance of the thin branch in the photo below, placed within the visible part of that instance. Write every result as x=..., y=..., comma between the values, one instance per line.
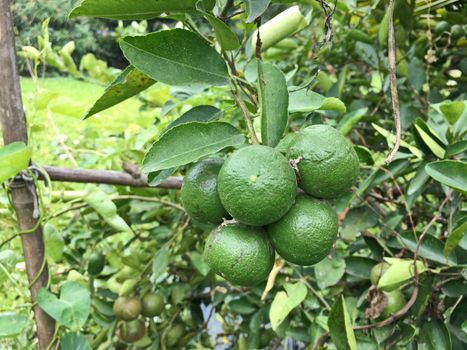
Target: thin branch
x=393, y=80
x=247, y=117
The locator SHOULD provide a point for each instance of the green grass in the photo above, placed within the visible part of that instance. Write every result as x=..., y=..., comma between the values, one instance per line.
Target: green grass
x=54, y=110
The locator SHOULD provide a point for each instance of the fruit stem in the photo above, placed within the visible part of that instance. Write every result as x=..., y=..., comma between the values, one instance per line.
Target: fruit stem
x=247, y=117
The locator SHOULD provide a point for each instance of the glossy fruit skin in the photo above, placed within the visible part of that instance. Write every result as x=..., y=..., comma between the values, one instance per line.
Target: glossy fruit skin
x=327, y=163
x=132, y=331
x=152, y=305
x=174, y=335
x=257, y=185
x=305, y=235
x=127, y=308
x=199, y=192
x=96, y=263
x=242, y=255
x=377, y=271
x=396, y=301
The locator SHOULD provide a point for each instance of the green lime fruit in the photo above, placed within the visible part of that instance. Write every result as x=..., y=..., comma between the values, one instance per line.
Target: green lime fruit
x=377, y=271
x=152, y=305
x=127, y=308
x=257, y=185
x=328, y=165
x=175, y=334
x=442, y=27
x=457, y=32
x=305, y=235
x=96, y=263
x=396, y=301
x=199, y=192
x=132, y=331
x=240, y=254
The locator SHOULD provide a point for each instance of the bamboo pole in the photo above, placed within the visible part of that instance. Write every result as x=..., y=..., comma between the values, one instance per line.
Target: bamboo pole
x=23, y=193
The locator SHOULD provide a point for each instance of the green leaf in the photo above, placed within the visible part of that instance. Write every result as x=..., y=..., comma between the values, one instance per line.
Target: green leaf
x=457, y=320
x=160, y=262
x=340, y=327
x=54, y=242
x=364, y=155
x=420, y=179
x=349, y=120
x=399, y=272
x=434, y=335
x=157, y=177
x=391, y=139
x=71, y=309
x=452, y=173
x=452, y=110
x=455, y=238
x=203, y=113
x=74, y=341
x=417, y=73
x=136, y=9
x=308, y=101
x=187, y=143
x=176, y=57
x=456, y=148
x=226, y=38
x=128, y=84
x=431, y=248
x=430, y=142
x=242, y=306
x=285, y=302
x=329, y=271
x=359, y=266
x=199, y=263
x=255, y=8
x=274, y=100
x=12, y=324
x=14, y=158
x=103, y=205
x=455, y=288
x=357, y=221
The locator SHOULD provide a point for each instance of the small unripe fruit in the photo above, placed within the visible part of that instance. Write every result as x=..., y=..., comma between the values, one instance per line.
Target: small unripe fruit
x=396, y=301
x=153, y=305
x=127, y=308
x=132, y=331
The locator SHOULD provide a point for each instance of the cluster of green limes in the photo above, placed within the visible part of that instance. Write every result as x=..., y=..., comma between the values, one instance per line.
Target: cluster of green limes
x=257, y=187
x=128, y=309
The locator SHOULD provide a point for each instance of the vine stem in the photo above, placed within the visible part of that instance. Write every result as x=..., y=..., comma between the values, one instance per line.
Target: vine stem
x=393, y=81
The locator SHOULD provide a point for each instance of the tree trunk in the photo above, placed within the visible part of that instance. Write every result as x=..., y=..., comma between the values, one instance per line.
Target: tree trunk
x=23, y=193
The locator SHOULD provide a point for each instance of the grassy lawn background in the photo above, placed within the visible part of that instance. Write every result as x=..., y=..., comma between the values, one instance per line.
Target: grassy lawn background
x=54, y=109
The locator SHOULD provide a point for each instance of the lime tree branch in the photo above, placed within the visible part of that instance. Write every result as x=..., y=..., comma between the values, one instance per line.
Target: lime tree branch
x=393, y=81
x=109, y=177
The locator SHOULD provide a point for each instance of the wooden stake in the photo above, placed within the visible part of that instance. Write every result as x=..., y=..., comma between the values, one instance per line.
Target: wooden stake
x=23, y=193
